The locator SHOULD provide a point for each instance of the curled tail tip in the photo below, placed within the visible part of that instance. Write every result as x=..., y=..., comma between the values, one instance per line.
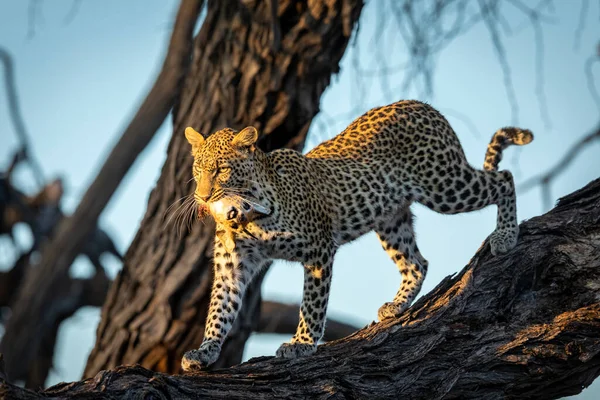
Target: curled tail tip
x=527, y=136
x=515, y=135
x=503, y=138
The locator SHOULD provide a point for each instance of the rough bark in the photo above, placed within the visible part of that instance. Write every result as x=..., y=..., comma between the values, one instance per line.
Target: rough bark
x=521, y=325
x=40, y=283
x=156, y=308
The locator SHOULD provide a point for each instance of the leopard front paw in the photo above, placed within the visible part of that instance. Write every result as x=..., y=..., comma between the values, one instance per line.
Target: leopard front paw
x=295, y=350
x=195, y=360
x=391, y=310
x=503, y=240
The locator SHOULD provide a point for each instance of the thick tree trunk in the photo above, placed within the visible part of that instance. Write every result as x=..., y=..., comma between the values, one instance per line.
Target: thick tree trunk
x=156, y=308
x=521, y=325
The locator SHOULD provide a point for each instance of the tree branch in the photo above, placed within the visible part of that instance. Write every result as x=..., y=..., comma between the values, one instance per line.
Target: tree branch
x=283, y=318
x=70, y=296
x=59, y=254
x=522, y=325
x=3, y=376
x=14, y=110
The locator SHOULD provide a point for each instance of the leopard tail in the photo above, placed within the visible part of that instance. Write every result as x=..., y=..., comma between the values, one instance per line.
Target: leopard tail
x=503, y=138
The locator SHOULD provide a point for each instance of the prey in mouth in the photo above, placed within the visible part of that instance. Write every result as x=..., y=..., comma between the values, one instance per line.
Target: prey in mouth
x=232, y=215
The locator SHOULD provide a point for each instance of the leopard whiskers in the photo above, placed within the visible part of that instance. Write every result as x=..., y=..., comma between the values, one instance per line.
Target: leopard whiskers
x=183, y=218
x=172, y=212
x=190, y=216
x=177, y=214
x=174, y=203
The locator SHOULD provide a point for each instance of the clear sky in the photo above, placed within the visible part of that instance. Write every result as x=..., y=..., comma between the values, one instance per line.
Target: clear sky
x=79, y=82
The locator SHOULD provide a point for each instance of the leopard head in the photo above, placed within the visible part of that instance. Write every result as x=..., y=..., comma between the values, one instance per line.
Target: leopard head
x=225, y=166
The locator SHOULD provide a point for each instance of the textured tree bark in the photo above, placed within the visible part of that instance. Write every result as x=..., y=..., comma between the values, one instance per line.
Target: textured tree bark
x=156, y=307
x=522, y=325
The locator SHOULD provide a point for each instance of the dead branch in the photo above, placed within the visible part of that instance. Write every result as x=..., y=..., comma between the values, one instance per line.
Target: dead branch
x=522, y=325
x=41, y=282
x=589, y=75
x=14, y=110
x=583, y=13
x=33, y=13
x=423, y=29
x=72, y=295
x=2, y=371
x=283, y=319
x=70, y=16
x=11, y=279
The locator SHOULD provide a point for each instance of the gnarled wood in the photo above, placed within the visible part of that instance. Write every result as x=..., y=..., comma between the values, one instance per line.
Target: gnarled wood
x=521, y=325
x=157, y=306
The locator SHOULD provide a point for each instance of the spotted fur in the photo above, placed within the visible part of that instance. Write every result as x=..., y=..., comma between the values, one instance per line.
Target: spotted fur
x=283, y=205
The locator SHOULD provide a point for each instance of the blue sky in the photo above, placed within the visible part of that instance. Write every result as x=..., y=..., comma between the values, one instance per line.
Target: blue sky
x=80, y=82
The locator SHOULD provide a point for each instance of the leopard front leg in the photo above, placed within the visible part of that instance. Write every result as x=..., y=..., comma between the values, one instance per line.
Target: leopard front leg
x=233, y=271
x=317, y=281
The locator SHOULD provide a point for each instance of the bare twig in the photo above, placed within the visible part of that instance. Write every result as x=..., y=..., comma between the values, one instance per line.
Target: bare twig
x=589, y=75
x=535, y=18
x=585, y=5
x=75, y=6
x=544, y=180
x=15, y=112
x=468, y=122
x=33, y=12
x=489, y=13
x=426, y=28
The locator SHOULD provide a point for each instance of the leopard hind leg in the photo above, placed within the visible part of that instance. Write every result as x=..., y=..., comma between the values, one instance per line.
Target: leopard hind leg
x=463, y=189
x=398, y=240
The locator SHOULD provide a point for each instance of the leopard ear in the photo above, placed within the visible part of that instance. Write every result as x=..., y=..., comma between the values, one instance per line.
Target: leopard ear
x=195, y=138
x=246, y=138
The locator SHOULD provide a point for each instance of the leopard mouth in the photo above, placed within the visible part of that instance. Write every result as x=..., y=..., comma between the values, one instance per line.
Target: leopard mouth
x=224, y=206
x=203, y=210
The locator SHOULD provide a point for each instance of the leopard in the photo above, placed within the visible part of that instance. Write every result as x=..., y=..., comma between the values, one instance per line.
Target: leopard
x=301, y=208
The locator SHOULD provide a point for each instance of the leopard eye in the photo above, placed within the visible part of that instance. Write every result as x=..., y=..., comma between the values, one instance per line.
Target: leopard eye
x=223, y=167
x=223, y=176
